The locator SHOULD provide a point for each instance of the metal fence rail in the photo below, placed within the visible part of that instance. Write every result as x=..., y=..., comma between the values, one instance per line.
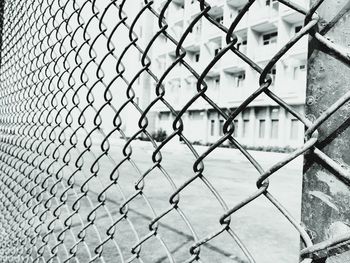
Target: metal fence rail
x=61, y=62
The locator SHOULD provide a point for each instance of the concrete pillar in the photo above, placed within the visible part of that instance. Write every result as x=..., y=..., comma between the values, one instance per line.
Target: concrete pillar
x=326, y=180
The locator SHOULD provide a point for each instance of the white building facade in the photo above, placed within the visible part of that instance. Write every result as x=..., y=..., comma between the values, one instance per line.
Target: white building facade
x=266, y=27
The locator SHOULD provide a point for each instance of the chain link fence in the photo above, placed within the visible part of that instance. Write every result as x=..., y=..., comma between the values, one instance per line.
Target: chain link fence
x=66, y=85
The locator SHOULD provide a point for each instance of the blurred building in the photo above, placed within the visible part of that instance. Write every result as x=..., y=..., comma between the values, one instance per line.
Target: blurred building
x=262, y=32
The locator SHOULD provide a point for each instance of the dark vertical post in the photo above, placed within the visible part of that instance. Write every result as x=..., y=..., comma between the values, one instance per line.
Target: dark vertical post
x=2, y=10
x=326, y=195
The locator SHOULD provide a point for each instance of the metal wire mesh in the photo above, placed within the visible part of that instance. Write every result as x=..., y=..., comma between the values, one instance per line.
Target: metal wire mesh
x=61, y=196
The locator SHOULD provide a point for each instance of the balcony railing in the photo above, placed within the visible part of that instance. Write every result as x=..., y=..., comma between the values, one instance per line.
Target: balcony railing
x=192, y=39
x=216, y=2
x=176, y=72
x=262, y=13
x=285, y=9
x=263, y=53
x=212, y=31
x=176, y=16
x=300, y=47
x=243, y=23
x=232, y=61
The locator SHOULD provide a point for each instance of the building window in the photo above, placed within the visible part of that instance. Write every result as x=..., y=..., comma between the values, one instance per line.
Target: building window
x=274, y=129
x=212, y=127
x=299, y=71
x=262, y=124
x=190, y=84
x=269, y=38
x=240, y=80
x=221, y=127
x=272, y=3
x=198, y=27
x=220, y=19
x=242, y=45
x=246, y=113
x=161, y=64
x=245, y=128
x=164, y=116
x=294, y=129
x=195, y=115
x=272, y=73
x=260, y=113
x=274, y=122
x=162, y=39
x=216, y=83
x=175, y=86
x=217, y=50
x=192, y=1
x=196, y=57
x=297, y=29
x=235, y=132
x=274, y=112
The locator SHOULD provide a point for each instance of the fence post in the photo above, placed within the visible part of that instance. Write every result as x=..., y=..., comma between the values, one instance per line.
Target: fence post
x=2, y=10
x=326, y=195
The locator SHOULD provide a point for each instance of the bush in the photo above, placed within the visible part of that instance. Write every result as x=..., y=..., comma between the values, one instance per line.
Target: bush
x=197, y=143
x=279, y=149
x=144, y=138
x=159, y=136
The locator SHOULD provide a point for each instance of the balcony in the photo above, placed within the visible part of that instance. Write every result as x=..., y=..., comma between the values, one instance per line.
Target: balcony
x=192, y=39
x=173, y=92
x=159, y=4
x=299, y=48
x=216, y=2
x=286, y=11
x=243, y=23
x=175, y=16
x=161, y=46
x=262, y=14
x=233, y=96
x=176, y=72
x=292, y=91
x=176, y=30
x=216, y=67
x=230, y=62
x=192, y=8
x=292, y=16
x=197, y=66
x=297, y=85
x=263, y=53
x=217, y=13
x=212, y=32
x=233, y=89
x=159, y=65
x=213, y=94
x=237, y=3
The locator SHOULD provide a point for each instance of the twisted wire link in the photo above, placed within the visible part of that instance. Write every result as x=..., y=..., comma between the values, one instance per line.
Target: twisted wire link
x=66, y=86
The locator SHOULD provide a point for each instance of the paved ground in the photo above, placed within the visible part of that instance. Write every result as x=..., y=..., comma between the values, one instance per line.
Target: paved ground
x=266, y=233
